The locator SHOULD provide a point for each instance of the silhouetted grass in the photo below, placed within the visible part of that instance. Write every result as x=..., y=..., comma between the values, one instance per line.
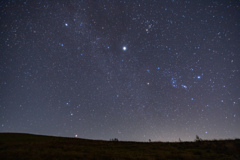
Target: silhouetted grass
x=27, y=146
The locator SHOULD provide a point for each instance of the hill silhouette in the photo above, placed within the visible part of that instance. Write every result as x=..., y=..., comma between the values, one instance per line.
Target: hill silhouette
x=27, y=146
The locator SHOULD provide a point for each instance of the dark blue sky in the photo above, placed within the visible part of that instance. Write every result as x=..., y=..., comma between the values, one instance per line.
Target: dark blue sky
x=134, y=70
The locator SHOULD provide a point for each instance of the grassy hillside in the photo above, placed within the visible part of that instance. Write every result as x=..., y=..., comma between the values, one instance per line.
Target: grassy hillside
x=27, y=146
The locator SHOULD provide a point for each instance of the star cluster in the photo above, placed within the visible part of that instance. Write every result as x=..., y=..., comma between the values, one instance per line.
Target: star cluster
x=134, y=70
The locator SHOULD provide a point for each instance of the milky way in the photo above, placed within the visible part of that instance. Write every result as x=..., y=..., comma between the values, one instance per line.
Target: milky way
x=132, y=70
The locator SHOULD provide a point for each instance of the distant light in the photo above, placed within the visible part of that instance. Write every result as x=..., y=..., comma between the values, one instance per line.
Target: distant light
x=148, y=83
x=124, y=48
x=158, y=68
x=198, y=77
x=62, y=45
x=76, y=136
x=66, y=24
x=206, y=132
x=67, y=103
x=192, y=99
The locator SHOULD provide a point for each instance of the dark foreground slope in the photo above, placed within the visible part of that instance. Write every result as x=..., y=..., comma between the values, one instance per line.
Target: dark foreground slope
x=27, y=146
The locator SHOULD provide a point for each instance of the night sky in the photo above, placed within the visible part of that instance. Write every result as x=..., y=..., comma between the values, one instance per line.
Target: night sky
x=133, y=70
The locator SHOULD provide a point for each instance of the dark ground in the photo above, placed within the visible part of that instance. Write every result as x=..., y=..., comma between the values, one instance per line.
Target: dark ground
x=35, y=147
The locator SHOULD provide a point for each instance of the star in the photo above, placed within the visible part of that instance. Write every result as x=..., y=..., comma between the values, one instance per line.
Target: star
x=184, y=86
x=124, y=48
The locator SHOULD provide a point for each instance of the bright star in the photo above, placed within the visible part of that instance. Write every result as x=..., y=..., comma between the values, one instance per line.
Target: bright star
x=184, y=86
x=124, y=48
x=66, y=24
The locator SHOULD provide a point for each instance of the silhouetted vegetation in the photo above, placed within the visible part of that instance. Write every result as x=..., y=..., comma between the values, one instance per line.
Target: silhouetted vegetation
x=27, y=146
x=198, y=139
x=114, y=139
